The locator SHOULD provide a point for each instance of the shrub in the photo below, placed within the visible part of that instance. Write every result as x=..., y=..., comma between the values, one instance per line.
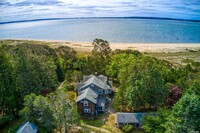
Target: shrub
x=5, y=120
x=128, y=128
x=14, y=128
x=187, y=60
x=190, y=50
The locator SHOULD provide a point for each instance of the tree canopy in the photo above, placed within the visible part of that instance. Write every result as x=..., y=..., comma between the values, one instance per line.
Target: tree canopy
x=101, y=47
x=29, y=71
x=9, y=100
x=185, y=116
x=54, y=111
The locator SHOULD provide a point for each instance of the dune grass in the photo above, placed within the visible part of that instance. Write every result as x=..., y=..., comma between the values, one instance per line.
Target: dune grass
x=177, y=58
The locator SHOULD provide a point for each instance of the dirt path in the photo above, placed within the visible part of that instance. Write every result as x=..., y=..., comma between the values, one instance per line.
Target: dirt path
x=60, y=86
x=97, y=128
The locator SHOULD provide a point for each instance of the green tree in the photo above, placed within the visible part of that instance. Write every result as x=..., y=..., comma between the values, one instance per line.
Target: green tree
x=81, y=65
x=119, y=62
x=55, y=111
x=34, y=72
x=28, y=110
x=155, y=122
x=142, y=81
x=100, y=56
x=145, y=85
x=64, y=111
x=9, y=102
x=194, y=88
x=67, y=57
x=101, y=47
x=185, y=116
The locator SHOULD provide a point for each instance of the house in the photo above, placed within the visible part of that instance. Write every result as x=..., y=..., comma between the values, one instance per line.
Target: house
x=93, y=94
x=134, y=119
x=27, y=127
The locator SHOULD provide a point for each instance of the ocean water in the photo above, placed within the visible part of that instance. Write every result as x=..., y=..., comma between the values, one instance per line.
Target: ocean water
x=117, y=30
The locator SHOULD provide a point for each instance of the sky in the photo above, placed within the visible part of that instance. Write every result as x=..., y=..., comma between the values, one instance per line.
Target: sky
x=14, y=10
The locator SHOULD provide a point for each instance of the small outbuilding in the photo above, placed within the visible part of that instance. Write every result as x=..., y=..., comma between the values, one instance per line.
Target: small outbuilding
x=134, y=119
x=27, y=127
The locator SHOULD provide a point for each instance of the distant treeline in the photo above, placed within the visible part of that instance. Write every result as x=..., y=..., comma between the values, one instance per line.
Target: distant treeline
x=46, y=19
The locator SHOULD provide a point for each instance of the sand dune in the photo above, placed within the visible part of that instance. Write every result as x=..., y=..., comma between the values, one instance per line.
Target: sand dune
x=142, y=47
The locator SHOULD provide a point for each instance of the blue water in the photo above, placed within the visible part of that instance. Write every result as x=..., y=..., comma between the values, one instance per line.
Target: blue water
x=119, y=30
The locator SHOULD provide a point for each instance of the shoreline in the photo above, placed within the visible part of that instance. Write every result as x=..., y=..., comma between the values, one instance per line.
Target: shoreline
x=142, y=47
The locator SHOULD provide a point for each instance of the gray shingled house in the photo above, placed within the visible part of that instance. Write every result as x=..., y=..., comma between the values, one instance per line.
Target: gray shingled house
x=134, y=119
x=93, y=94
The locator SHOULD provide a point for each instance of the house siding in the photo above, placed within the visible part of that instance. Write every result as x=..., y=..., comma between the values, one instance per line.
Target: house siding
x=90, y=106
x=136, y=125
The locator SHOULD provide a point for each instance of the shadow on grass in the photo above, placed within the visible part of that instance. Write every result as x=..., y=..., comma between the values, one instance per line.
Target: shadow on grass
x=97, y=121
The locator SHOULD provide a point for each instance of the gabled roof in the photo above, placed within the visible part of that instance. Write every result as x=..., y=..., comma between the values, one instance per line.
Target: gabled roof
x=103, y=78
x=129, y=117
x=96, y=81
x=28, y=127
x=78, y=85
x=88, y=94
x=85, y=78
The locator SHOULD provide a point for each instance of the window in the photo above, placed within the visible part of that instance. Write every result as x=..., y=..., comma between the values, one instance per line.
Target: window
x=85, y=103
x=99, y=108
x=86, y=110
x=100, y=91
x=137, y=125
x=106, y=91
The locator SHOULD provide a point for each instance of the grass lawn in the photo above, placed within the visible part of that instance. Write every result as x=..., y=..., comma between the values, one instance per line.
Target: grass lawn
x=96, y=122
x=110, y=124
x=106, y=121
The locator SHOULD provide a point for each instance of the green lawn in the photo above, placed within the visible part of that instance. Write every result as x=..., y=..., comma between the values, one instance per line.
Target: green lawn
x=97, y=121
x=106, y=121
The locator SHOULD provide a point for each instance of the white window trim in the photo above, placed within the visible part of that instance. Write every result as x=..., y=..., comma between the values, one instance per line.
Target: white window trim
x=85, y=103
x=87, y=111
x=100, y=91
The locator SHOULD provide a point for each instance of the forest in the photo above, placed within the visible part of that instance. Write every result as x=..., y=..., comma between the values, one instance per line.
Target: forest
x=31, y=73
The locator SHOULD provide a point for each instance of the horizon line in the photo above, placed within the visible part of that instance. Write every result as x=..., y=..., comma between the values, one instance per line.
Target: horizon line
x=46, y=19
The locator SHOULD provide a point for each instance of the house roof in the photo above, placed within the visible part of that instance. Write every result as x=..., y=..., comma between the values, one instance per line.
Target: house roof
x=96, y=81
x=28, y=127
x=129, y=117
x=85, y=78
x=78, y=85
x=103, y=78
x=89, y=94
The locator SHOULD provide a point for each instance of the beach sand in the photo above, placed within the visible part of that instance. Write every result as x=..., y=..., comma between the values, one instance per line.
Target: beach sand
x=151, y=47
x=142, y=47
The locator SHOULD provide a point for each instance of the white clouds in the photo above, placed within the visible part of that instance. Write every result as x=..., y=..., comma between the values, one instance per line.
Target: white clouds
x=31, y=9
x=91, y=2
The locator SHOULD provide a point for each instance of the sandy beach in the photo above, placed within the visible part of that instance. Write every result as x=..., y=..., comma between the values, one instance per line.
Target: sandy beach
x=142, y=47
x=151, y=47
